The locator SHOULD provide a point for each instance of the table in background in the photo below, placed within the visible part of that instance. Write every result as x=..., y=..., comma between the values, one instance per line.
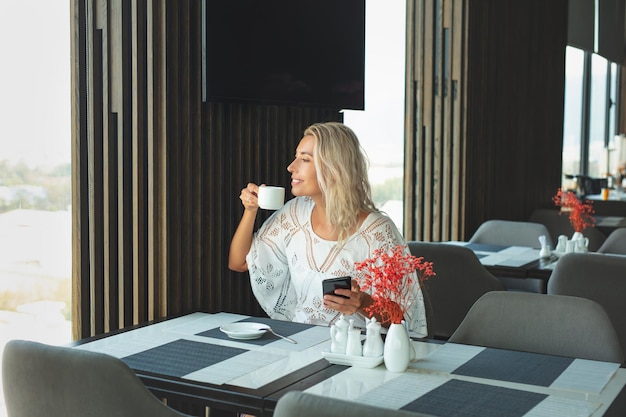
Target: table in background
x=512, y=261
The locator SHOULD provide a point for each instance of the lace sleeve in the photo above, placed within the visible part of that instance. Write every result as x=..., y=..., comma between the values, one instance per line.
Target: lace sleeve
x=269, y=269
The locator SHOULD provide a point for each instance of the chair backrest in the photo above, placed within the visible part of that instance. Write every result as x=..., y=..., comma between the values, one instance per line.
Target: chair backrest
x=559, y=224
x=461, y=279
x=540, y=323
x=54, y=381
x=512, y=233
x=598, y=277
x=615, y=243
x=301, y=404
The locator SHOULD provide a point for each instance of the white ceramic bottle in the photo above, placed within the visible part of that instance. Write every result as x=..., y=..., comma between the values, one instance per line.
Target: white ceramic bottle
x=373, y=346
x=353, y=347
x=339, y=335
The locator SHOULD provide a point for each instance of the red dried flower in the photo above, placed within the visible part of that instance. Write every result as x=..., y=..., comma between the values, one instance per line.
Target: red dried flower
x=579, y=212
x=390, y=275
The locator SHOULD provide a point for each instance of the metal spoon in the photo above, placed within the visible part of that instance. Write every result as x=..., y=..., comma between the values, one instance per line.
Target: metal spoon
x=269, y=329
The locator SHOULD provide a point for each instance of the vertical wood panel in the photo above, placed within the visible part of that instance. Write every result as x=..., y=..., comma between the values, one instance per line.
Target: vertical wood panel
x=173, y=219
x=413, y=88
x=80, y=172
x=139, y=158
x=109, y=155
x=127, y=246
x=425, y=129
x=157, y=142
x=96, y=218
x=113, y=303
x=446, y=162
x=433, y=176
x=458, y=127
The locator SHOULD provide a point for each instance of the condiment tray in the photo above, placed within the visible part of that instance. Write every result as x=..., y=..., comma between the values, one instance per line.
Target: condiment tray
x=349, y=360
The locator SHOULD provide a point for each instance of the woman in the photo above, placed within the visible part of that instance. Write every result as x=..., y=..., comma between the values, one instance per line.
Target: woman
x=331, y=224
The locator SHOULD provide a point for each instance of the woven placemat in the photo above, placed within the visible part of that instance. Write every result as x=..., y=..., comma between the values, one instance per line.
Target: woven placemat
x=457, y=398
x=180, y=357
x=515, y=366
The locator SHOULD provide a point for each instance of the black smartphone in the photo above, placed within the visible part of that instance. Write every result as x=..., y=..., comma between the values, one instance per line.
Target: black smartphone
x=331, y=284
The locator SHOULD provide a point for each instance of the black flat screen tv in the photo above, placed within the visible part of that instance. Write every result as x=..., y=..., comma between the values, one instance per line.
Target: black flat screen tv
x=285, y=52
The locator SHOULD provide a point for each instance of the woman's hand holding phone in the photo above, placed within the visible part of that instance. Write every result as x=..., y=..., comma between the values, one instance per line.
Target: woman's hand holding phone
x=331, y=284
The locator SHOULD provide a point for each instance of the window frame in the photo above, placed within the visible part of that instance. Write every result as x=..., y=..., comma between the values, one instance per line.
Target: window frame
x=609, y=113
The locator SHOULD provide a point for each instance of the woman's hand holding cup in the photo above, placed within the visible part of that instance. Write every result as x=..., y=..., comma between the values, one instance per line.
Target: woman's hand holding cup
x=249, y=197
x=265, y=197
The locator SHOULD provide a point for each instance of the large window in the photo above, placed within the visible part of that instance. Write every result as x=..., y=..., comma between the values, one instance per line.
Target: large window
x=591, y=87
x=380, y=127
x=590, y=122
x=35, y=187
x=572, y=128
x=598, y=113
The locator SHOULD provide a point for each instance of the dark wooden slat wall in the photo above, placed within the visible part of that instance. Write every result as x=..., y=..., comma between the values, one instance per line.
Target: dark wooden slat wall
x=158, y=172
x=485, y=111
x=516, y=71
x=250, y=143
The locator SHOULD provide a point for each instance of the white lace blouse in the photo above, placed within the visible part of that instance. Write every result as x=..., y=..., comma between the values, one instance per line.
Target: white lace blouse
x=288, y=261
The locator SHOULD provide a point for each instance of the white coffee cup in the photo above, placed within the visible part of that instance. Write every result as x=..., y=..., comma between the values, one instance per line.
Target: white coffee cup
x=270, y=197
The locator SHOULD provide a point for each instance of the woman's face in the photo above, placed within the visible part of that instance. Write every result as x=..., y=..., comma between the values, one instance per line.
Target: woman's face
x=302, y=169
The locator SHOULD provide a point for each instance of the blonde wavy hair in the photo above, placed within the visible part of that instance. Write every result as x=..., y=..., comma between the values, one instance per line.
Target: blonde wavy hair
x=341, y=166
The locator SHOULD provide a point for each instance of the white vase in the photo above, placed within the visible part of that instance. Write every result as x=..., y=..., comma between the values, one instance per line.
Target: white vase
x=397, y=350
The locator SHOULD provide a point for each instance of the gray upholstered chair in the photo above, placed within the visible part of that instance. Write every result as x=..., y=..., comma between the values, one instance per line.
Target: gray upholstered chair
x=559, y=224
x=301, y=404
x=615, y=243
x=541, y=323
x=461, y=279
x=54, y=381
x=511, y=233
x=514, y=233
x=598, y=277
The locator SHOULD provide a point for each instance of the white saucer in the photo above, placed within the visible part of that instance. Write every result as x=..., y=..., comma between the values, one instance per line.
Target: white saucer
x=244, y=330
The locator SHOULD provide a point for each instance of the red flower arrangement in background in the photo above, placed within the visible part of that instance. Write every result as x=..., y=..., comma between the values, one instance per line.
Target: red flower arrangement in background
x=389, y=275
x=579, y=212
